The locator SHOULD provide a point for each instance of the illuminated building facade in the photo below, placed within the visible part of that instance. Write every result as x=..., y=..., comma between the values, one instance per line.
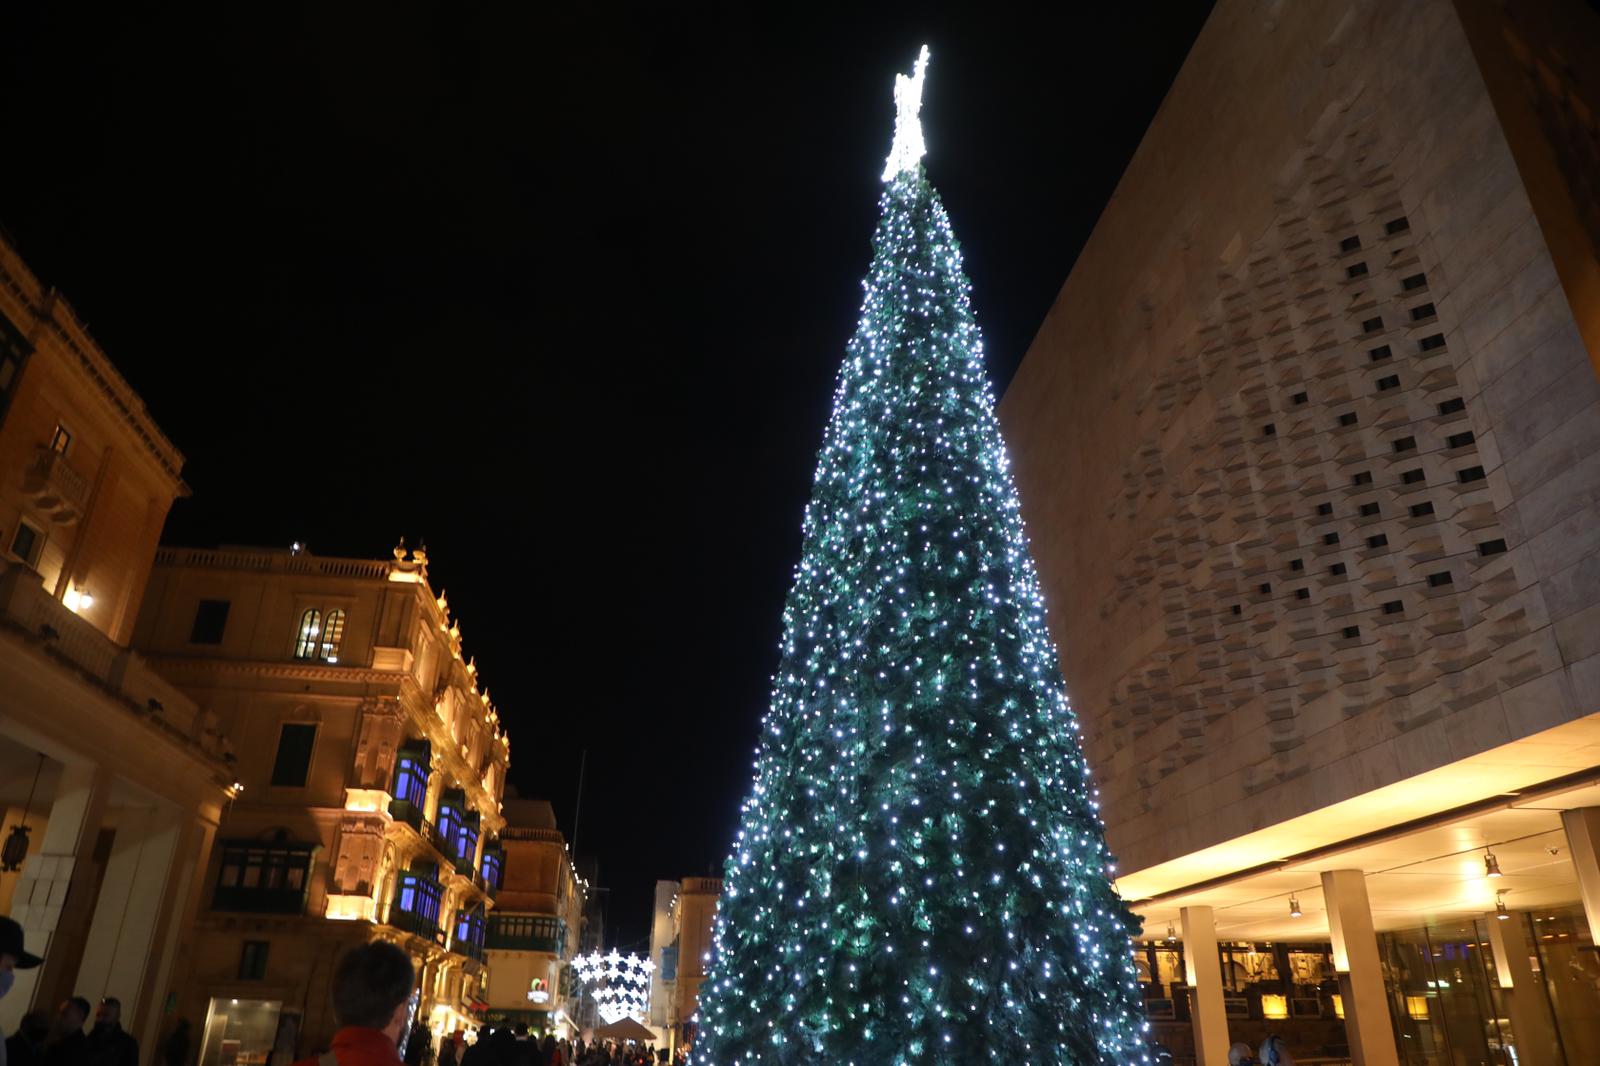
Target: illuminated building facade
x=111, y=780
x=372, y=765
x=536, y=926
x=680, y=942
x=1309, y=451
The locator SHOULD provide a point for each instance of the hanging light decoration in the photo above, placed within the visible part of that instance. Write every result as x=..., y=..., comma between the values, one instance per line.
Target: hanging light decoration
x=1294, y=908
x=1491, y=865
x=1500, y=911
x=1172, y=935
x=620, y=984
x=15, y=849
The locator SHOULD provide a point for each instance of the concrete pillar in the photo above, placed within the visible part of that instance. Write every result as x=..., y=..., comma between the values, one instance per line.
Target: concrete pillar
x=1583, y=839
x=186, y=887
x=133, y=897
x=1203, y=971
x=1533, y=1031
x=41, y=892
x=1355, y=957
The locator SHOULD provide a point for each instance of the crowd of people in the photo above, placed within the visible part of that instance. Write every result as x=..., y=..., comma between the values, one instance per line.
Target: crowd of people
x=46, y=1039
x=515, y=1047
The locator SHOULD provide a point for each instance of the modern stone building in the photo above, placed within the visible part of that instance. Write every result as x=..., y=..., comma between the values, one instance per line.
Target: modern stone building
x=372, y=764
x=536, y=926
x=1309, y=451
x=111, y=780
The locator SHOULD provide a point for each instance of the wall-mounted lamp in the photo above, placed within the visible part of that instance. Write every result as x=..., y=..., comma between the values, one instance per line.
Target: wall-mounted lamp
x=15, y=849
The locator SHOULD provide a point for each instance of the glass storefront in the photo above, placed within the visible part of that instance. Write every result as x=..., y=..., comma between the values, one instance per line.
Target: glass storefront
x=1268, y=988
x=1571, y=968
x=240, y=1032
x=1444, y=993
x=1443, y=997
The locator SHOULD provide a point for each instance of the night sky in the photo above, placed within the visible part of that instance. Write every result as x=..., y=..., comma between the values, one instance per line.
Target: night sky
x=563, y=297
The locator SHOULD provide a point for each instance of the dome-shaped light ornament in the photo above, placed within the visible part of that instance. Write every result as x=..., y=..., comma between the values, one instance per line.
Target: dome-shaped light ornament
x=1491, y=865
x=1294, y=908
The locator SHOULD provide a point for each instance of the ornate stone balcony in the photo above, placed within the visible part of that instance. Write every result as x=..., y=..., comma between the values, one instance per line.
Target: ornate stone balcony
x=33, y=617
x=57, y=490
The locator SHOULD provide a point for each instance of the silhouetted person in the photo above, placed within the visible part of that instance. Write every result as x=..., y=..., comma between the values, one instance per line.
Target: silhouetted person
x=109, y=1044
x=25, y=1047
x=371, y=992
x=175, y=1052
x=67, y=1046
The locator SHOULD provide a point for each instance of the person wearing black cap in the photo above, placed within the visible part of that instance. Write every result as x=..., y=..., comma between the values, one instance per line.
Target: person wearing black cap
x=12, y=958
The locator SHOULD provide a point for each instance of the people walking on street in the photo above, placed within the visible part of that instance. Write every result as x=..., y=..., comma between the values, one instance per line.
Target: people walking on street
x=371, y=999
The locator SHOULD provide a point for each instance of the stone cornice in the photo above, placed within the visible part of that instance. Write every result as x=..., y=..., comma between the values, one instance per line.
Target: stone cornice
x=290, y=671
x=51, y=312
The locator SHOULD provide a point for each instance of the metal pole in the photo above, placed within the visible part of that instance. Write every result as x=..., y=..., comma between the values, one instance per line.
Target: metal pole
x=577, y=811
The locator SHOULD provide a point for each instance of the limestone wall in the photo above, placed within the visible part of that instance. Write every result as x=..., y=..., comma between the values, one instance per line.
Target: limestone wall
x=1309, y=445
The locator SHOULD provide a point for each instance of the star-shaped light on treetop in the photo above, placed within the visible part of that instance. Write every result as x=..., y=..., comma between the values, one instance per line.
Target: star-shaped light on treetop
x=908, y=147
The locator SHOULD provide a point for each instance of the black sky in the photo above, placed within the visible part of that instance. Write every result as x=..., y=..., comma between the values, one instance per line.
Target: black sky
x=562, y=293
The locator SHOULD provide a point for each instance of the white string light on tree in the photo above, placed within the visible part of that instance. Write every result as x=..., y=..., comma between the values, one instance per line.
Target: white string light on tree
x=920, y=876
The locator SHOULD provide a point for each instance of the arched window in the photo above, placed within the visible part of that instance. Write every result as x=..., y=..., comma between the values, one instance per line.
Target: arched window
x=332, y=633
x=306, y=646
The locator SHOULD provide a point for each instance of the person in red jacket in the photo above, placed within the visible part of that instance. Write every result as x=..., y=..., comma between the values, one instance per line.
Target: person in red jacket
x=371, y=1001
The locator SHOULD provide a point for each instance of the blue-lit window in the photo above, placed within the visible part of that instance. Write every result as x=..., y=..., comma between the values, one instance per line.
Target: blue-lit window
x=450, y=821
x=469, y=928
x=466, y=839
x=491, y=865
x=411, y=777
x=418, y=895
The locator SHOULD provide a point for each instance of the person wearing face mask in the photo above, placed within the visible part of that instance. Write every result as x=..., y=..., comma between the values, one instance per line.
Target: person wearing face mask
x=12, y=958
x=109, y=1043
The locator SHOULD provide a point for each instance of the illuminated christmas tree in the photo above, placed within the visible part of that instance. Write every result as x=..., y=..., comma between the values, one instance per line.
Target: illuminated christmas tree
x=920, y=874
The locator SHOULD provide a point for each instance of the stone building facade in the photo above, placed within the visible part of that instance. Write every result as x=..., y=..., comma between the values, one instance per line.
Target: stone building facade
x=536, y=926
x=372, y=765
x=680, y=947
x=1309, y=451
x=111, y=780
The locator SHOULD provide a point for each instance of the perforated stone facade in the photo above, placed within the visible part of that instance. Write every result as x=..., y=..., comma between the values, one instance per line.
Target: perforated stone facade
x=1309, y=445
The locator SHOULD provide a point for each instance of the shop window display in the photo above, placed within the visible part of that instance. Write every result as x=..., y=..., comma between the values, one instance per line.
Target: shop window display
x=1570, y=966
x=240, y=1032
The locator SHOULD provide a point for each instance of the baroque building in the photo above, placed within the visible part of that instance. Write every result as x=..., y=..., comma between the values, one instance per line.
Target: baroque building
x=371, y=763
x=112, y=781
x=536, y=926
x=1309, y=451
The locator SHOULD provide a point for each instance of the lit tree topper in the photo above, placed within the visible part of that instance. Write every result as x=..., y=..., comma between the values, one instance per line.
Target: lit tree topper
x=908, y=147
